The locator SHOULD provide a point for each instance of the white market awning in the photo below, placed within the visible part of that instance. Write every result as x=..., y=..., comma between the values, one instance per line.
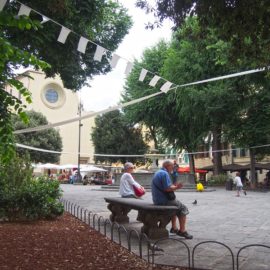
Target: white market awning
x=92, y=169
x=48, y=166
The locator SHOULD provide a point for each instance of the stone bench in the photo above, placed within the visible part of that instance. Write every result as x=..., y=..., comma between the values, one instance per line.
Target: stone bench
x=154, y=217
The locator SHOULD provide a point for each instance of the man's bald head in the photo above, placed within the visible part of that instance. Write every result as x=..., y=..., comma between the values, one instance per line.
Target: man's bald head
x=168, y=165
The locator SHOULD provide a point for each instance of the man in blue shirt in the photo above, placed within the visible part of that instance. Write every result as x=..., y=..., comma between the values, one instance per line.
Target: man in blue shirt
x=161, y=186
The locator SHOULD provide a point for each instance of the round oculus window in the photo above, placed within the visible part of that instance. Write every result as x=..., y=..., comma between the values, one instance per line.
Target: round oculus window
x=51, y=96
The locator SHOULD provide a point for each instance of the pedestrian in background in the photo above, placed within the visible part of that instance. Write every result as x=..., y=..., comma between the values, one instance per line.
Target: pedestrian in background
x=239, y=184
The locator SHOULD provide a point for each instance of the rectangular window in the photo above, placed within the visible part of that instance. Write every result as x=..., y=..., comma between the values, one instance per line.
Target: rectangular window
x=242, y=152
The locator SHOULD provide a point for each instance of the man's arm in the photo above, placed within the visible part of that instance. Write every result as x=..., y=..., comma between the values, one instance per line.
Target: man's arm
x=168, y=186
x=174, y=187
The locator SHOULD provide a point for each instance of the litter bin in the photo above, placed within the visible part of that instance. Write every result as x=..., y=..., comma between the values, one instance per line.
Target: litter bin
x=229, y=184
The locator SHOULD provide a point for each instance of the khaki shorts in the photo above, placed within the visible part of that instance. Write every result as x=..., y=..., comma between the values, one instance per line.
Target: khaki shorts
x=183, y=210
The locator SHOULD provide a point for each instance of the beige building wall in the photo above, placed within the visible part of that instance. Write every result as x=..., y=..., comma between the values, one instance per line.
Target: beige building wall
x=229, y=159
x=58, y=103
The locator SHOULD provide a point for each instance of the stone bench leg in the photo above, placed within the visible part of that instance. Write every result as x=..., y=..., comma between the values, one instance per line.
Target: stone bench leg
x=154, y=224
x=119, y=213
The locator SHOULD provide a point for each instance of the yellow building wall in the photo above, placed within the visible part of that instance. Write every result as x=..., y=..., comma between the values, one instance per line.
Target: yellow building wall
x=65, y=108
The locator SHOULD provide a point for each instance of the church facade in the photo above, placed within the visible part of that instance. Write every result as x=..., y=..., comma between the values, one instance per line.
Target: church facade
x=56, y=103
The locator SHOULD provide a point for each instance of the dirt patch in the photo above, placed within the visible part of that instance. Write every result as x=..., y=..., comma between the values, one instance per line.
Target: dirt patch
x=65, y=243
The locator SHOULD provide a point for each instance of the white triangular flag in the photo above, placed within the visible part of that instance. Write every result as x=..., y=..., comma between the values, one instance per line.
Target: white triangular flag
x=99, y=53
x=44, y=19
x=114, y=60
x=154, y=81
x=2, y=4
x=166, y=87
x=63, y=34
x=82, y=44
x=24, y=10
x=128, y=68
x=143, y=74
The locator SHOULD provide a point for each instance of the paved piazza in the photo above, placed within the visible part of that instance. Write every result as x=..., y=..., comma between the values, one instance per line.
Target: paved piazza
x=219, y=215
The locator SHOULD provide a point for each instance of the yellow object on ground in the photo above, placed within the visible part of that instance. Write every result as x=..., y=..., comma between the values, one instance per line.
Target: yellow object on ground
x=200, y=187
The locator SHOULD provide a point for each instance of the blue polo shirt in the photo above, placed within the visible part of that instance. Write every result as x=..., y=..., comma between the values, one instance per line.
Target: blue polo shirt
x=160, y=181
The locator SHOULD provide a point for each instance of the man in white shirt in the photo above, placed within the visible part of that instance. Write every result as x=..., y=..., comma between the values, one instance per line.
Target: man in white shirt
x=127, y=182
x=239, y=185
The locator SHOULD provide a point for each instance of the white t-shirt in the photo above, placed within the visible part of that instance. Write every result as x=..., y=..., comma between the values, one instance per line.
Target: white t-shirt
x=238, y=182
x=126, y=185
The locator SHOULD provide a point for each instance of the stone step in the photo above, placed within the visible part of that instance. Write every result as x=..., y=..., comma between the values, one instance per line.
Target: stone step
x=190, y=188
x=146, y=187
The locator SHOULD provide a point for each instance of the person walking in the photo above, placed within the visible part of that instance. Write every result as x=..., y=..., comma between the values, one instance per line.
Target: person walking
x=239, y=184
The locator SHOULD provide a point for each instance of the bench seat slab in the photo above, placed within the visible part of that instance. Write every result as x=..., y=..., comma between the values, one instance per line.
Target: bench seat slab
x=154, y=218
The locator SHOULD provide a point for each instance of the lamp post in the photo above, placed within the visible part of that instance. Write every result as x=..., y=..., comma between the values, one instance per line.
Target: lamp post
x=79, y=177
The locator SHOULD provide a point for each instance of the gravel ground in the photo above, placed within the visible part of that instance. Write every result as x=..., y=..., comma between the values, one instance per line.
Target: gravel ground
x=65, y=243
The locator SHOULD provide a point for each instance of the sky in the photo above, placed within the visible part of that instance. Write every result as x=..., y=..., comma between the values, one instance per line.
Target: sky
x=105, y=90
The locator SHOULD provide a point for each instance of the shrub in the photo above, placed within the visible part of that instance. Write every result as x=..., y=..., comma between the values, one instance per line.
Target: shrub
x=218, y=180
x=24, y=198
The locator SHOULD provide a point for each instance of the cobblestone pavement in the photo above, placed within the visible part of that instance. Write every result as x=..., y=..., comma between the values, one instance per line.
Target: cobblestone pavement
x=218, y=216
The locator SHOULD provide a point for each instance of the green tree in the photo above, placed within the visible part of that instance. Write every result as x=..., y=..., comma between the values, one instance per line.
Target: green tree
x=243, y=23
x=113, y=135
x=194, y=55
x=11, y=58
x=165, y=113
x=145, y=112
x=186, y=115
x=252, y=127
x=104, y=21
x=49, y=139
x=243, y=41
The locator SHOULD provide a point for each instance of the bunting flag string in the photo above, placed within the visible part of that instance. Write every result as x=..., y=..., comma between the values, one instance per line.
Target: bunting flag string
x=63, y=34
x=86, y=116
x=47, y=151
x=24, y=10
x=135, y=101
x=143, y=75
x=166, y=87
x=83, y=42
x=99, y=53
x=44, y=19
x=145, y=155
x=128, y=68
x=154, y=81
x=114, y=60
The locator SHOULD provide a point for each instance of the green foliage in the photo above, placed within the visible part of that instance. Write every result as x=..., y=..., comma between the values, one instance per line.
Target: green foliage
x=113, y=135
x=236, y=109
x=11, y=58
x=147, y=112
x=252, y=126
x=104, y=21
x=217, y=180
x=184, y=116
x=49, y=139
x=25, y=198
x=243, y=23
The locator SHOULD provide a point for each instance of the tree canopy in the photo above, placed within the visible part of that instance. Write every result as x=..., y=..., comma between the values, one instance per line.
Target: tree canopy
x=113, y=135
x=24, y=41
x=244, y=23
x=11, y=58
x=186, y=115
x=104, y=21
x=144, y=113
x=49, y=139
